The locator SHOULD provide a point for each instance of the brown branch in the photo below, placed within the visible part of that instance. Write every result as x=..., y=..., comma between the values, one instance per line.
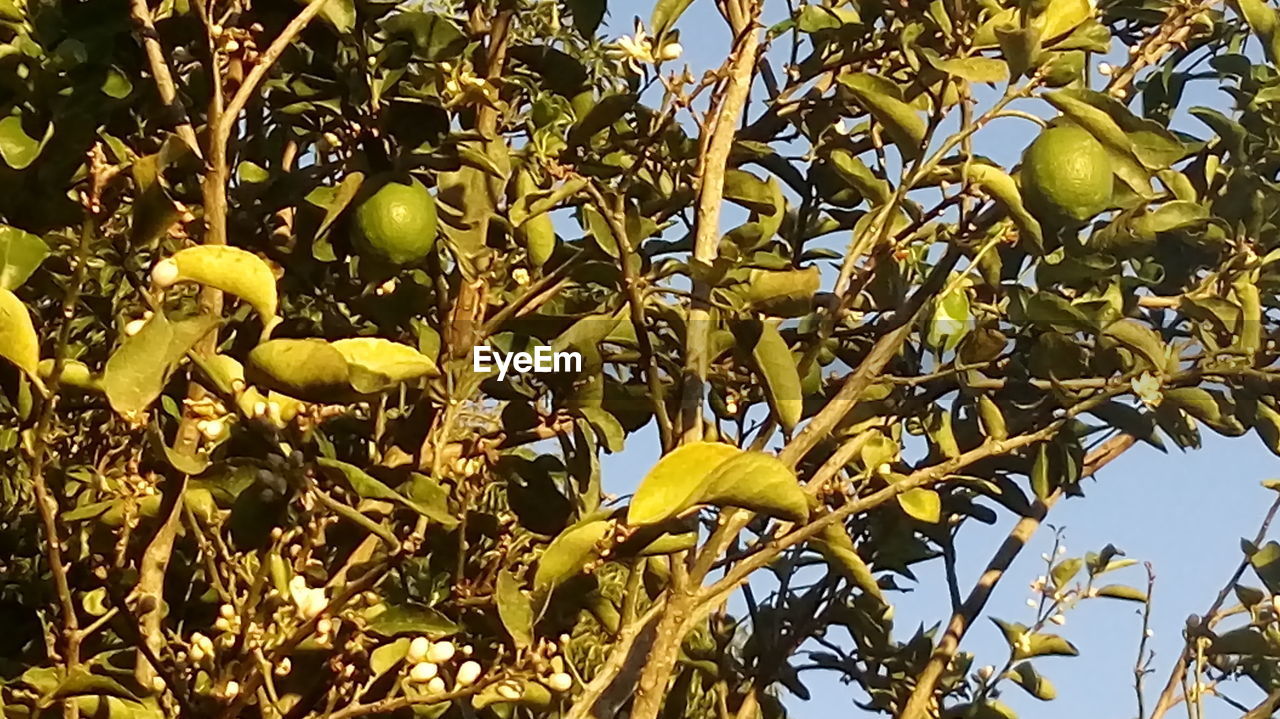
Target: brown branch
x=963, y=617
x=711, y=170
x=46, y=504
x=160, y=74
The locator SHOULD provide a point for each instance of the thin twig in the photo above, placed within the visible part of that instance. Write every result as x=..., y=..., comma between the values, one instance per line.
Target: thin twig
x=1168, y=696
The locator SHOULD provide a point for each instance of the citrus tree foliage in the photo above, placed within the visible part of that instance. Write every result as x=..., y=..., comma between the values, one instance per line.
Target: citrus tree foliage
x=250, y=469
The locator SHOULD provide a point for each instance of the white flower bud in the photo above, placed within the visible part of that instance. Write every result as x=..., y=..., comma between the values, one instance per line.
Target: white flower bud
x=436, y=686
x=423, y=672
x=1058, y=619
x=1105, y=69
x=985, y=672
x=157, y=684
x=134, y=327
x=212, y=429
x=560, y=682
x=283, y=667
x=670, y=51
x=418, y=649
x=510, y=690
x=440, y=652
x=468, y=673
x=165, y=273
x=231, y=690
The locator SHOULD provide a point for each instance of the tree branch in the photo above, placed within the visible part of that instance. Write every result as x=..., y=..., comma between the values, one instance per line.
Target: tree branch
x=963, y=617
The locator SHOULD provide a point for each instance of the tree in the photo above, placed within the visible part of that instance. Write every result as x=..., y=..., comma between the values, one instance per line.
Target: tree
x=251, y=467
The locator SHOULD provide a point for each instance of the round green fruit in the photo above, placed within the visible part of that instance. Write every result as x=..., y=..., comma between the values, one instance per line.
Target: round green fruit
x=1066, y=176
x=397, y=223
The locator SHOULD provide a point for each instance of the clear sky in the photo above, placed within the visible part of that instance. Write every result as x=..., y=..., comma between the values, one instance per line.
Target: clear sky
x=1184, y=513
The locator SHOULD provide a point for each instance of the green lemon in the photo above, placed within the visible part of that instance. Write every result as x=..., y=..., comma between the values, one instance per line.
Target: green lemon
x=1066, y=176
x=397, y=223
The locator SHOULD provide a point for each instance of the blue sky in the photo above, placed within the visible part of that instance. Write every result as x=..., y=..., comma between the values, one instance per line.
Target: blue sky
x=1183, y=512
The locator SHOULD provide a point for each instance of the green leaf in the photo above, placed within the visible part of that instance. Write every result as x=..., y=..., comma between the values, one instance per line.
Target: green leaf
x=835, y=544
x=815, y=18
x=1062, y=16
x=1026, y=676
x=412, y=619
x=376, y=364
x=334, y=200
x=1065, y=571
x=751, y=192
x=756, y=481
x=665, y=15
x=116, y=85
x=515, y=609
x=17, y=148
x=587, y=15
x=606, y=426
x=602, y=114
x=386, y=657
x=226, y=268
x=1141, y=339
x=140, y=367
x=1002, y=187
x=1130, y=420
x=600, y=231
x=783, y=293
x=1267, y=423
x=341, y=14
x=1121, y=591
x=19, y=343
x=1266, y=564
x=430, y=499
x=80, y=681
x=369, y=487
x=1245, y=641
x=434, y=36
x=569, y=553
x=1020, y=46
x=308, y=369
x=974, y=69
x=20, y=254
x=777, y=366
x=922, y=504
x=854, y=171
x=903, y=124
x=1039, y=645
x=675, y=482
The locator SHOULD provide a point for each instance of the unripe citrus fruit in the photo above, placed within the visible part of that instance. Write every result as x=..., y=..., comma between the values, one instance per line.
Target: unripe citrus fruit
x=397, y=223
x=1066, y=176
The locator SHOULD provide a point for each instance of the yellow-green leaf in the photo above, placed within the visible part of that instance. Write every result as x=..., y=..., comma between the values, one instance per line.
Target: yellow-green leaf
x=675, y=482
x=1121, y=591
x=18, y=341
x=569, y=553
x=309, y=369
x=781, y=378
x=835, y=544
x=229, y=269
x=922, y=504
x=759, y=482
x=137, y=371
x=903, y=124
x=376, y=364
x=515, y=609
x=1026, y=676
